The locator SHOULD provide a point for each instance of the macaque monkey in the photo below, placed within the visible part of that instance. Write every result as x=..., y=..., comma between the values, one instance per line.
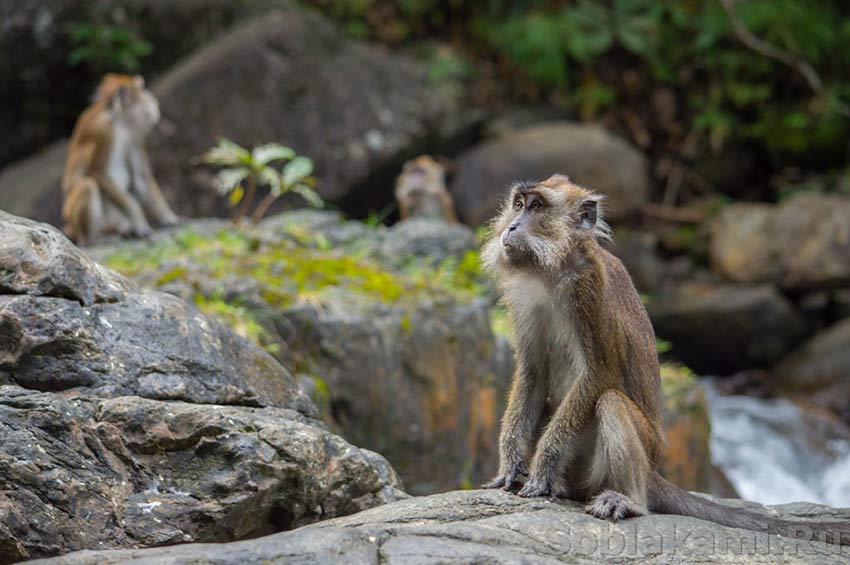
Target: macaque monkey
x=421, y=191
x=584, y=414
x=108, y=186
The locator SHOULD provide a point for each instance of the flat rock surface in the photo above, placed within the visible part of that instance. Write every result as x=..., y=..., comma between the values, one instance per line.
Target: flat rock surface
x=497, y=527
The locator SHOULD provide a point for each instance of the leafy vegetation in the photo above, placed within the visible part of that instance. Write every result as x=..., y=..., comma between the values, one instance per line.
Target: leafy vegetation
x=106, y=47
x=254, y=168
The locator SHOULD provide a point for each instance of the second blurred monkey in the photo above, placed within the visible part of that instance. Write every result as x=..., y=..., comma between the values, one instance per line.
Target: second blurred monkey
x=421, y=191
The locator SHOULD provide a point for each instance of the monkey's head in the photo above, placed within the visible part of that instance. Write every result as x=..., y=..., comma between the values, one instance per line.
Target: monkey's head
x=129, y=101
x=421, y=179
x=541, y=223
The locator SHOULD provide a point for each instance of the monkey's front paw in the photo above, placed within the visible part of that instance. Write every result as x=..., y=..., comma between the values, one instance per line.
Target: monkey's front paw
x=536, y=487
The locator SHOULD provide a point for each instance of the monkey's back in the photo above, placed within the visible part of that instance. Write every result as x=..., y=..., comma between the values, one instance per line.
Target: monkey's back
x=640, y=371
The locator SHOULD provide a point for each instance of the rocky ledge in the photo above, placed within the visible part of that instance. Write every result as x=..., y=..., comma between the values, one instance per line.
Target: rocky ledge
x=497, y=527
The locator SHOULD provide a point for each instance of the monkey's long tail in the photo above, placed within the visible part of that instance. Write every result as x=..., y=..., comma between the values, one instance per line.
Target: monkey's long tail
x=667, y=498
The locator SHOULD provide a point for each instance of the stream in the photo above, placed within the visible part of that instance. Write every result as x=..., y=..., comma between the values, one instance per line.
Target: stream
x=773, y=453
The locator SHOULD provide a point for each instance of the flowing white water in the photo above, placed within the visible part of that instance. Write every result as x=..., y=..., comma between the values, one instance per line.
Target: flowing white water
x=774, y=454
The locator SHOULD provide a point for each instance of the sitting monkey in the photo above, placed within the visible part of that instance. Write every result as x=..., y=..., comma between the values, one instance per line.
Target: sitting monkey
x=584, y=413
x=421, y=191
x=108, y=186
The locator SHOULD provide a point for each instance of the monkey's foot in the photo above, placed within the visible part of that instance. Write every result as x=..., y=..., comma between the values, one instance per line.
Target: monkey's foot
x=507, y=480
x=536, y=487
x=612, y=505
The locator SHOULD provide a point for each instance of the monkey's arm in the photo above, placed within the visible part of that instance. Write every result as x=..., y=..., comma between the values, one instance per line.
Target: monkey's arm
x=126, y=202
x=554, y=447
x=525, y=405
x=147, y=189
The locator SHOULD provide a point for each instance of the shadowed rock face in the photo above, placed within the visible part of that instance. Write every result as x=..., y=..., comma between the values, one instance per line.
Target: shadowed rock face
x=129, y=418
x=497, y=527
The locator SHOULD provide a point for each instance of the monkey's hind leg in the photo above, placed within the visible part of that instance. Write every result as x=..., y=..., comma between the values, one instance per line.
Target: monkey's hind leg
x=620, y=466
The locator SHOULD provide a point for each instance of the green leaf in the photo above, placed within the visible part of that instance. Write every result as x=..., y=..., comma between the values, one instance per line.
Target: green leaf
x=308, y=194
x=265, y=154
x=228, y=179
x=270, y=177
x=227, y=153
x=296, y=170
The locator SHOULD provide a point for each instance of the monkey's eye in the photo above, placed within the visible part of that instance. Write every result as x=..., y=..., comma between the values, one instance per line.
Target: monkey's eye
x=518, y=205
x=535, y=204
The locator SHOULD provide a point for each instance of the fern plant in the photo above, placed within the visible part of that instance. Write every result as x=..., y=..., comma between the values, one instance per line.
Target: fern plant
x=243, y=171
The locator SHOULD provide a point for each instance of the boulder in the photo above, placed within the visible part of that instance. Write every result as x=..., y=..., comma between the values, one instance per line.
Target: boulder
x=498, y=527
x=290, y=77
x=33, y=187
x=129, y=418
x=67, y=323
x=801, y=244
x=79, y=472
x=686, y=459
x=819, y=370
x=587, y=153
x=723, y=328
x=387, y=327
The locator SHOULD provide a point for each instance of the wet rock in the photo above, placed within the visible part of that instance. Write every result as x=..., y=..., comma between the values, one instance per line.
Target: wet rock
x=801, y=244
x=819, y=370
x=722, y=328
x=498, y=527
x=586, y=153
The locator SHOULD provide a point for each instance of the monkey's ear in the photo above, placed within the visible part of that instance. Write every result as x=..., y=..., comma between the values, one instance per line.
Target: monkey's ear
x=588, y=211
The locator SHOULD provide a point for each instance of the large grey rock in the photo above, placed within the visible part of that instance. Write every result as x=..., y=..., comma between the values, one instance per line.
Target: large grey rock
x=819, y=370
x=397, y=363
x=587, y=153
x=497, y=527
x=290, y=77
x=801, y=244
x=98, y=449
x=83, y=473
x=722, y=328
x=67, y=323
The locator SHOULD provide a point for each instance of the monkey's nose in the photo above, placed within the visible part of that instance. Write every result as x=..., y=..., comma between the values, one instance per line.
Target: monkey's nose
x=512, y=227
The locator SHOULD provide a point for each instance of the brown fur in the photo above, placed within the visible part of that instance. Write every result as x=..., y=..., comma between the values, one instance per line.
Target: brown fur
x=584, y=412
x=94, y=203
x=421, y=191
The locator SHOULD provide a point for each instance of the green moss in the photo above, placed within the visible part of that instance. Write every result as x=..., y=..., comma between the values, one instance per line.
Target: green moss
x=676, y=381
x=239, y=318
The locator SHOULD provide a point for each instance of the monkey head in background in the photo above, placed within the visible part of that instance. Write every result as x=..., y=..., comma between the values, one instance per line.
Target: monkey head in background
x=583, y=418
x=108, y=187
x=421, y=191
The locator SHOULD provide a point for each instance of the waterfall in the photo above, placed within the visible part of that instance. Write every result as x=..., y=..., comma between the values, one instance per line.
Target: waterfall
x=773, y=453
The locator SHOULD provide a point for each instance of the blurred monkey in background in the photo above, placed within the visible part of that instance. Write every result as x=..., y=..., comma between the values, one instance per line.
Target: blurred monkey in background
x=421, y=191
x=108, y=186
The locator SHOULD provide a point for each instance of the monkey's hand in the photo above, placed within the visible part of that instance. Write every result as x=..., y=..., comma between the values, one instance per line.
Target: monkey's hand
x=507, y=479
x=536, y=486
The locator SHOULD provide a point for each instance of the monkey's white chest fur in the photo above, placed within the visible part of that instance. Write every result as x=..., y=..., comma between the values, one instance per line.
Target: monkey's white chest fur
x=555, y=351
x=118, y=162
